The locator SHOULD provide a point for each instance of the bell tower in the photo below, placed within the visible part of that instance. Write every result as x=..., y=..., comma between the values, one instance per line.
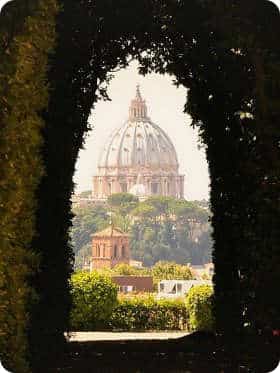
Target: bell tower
x=109, y=248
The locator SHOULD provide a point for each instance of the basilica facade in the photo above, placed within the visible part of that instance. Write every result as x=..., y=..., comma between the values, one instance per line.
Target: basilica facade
x=138, y=158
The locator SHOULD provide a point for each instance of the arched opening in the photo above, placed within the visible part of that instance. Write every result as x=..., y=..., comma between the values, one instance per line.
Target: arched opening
x=115, y=251
x=123, y=252
x=98, y=251
x=107, y=143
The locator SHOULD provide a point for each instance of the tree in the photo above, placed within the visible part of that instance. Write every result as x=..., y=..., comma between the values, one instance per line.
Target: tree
x=171, y=271
x=165, y=228
x=86, y=221
x=121, y=204
x=94, y=297
x=124, y=269
x=85, y=194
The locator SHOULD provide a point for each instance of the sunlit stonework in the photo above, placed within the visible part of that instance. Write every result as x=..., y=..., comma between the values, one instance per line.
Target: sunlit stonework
x=138, y=158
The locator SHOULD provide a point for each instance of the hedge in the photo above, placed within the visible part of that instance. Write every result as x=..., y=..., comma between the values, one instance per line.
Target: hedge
x=94, y=297
x=199, y=304
x=147, y=313
x=27, y=36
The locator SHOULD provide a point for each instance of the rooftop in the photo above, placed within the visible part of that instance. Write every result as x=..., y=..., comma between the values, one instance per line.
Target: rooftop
x=110, y=232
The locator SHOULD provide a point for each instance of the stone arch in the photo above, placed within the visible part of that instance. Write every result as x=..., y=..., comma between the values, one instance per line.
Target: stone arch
x=224, y=85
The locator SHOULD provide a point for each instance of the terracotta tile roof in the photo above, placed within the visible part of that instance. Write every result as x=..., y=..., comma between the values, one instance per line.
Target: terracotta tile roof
x=110, y=232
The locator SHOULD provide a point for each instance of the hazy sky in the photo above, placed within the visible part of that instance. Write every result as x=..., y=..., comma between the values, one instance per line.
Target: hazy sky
x=165, y=107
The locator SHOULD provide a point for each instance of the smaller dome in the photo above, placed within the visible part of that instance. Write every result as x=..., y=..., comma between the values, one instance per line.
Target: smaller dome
x=138, y=190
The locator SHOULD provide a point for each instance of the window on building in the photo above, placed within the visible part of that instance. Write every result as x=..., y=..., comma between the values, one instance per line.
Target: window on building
x=154, y=188
x=124, y=187
x=161, y=288
x=97, y=250
x=123, y=251
x=127, y=288
x=115, y=254
x=179, y=288
x=104, y=251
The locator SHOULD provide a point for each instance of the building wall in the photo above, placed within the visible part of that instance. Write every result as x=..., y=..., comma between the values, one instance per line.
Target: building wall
x=155, y=184
x=139, y=283
x=109, y=251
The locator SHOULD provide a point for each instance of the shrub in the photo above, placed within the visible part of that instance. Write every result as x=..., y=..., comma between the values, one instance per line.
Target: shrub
x=147, y=313
x=199, y=306
x=124, y=269
x=94, y=297
x=165, y=270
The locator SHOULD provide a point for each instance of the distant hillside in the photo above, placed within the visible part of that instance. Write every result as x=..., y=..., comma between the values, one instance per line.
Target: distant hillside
x=161, y=228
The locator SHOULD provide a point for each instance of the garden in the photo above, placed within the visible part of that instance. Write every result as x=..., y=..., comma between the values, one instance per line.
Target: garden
x=97, y=306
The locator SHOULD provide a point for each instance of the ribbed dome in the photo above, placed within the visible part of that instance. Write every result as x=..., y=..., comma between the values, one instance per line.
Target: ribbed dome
x=139, y=143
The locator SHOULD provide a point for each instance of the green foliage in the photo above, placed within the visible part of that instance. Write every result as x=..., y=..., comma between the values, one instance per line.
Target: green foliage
x=121, y=204
x=27, y=35
x=227, y=55
x=124, y=202
x=124, y=269
x=94, y=297
x=161, y=228
x=146, y=313
x=86, y=221
x=164, y=229
x=199, y=304
x=171, y=271
x=85, y=194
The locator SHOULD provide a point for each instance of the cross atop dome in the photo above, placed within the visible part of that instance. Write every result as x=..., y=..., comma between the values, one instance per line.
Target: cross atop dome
x=138, y=107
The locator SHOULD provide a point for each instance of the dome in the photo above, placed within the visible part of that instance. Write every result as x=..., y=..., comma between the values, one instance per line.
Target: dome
x=138, y=143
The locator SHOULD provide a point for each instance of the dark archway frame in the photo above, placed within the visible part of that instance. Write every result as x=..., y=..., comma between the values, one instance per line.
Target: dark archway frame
x=226, y=54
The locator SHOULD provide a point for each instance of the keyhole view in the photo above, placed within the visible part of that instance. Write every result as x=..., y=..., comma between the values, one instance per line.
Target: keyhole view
x=139, y=188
